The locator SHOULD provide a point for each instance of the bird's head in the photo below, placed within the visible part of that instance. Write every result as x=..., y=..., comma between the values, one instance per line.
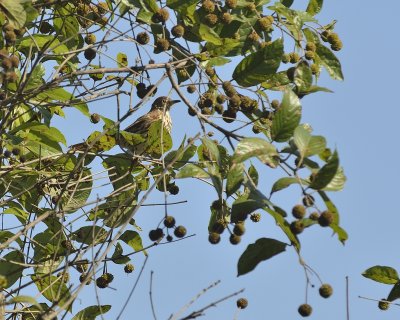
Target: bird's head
x=163, y=102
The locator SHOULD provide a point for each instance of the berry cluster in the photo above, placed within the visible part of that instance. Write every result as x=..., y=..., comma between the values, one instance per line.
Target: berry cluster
x=13, y=155
x=169, y=223
x=142, y=90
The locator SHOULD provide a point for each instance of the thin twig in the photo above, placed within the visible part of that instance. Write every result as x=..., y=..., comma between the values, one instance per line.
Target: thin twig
x=151, y=295
x=133, y=288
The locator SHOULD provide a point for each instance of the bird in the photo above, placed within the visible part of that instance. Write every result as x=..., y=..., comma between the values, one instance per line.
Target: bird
x=159, y=111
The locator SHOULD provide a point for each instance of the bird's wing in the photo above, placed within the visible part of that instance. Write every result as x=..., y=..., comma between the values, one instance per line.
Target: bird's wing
x=140, y=126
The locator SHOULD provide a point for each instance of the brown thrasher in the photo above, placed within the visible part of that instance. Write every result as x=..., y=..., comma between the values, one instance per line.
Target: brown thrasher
x=159, y=111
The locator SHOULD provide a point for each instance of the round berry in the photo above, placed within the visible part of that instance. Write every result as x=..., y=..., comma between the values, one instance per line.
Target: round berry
x=325, y=291
x=180, y=231
x=242, y=303
x=305, y=310
x=129, y=268
x=169, y=221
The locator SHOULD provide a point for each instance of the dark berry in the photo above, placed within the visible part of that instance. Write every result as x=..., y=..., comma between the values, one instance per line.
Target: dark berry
x=169, y=221
x=129, y=268
x=325, y=291
x=214, y=238
x=180, y=231
x=242, y=303
x=305, y=310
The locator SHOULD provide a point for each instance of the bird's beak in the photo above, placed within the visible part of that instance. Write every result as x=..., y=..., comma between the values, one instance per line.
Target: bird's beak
x=174, y=102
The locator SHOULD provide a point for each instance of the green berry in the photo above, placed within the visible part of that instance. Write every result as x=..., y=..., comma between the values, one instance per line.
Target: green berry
x=143, y=38
x=90, y=38
x=129, y=268
x=383, y=304
x=326, y=219
x=169, y=221
x=239, y=229
x=286, y=58
x=178, y=31
x=180, y=231
x=234, y=239
x=211, y=19
x=163, y=45
x=226, y=18
x=297, y=227
x=310, y=46
x=294, y=57
x=95, y=118
x=231, y=4
x=255, y=217
x=3, y=282
x=191, y=88
x=305, y=310
x=208, y=6
x=309, y=55
x=214, y=238
x=298, y=211
x=275, y=104
x=325, y=291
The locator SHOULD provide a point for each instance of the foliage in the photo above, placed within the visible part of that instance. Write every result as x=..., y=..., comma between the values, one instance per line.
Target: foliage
x=231, y=55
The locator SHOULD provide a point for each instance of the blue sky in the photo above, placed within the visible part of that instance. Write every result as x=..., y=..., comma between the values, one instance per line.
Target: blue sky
x=360, y=119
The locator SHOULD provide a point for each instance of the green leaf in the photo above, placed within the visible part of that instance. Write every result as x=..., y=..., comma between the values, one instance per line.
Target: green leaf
x=67, y=27
x=297, y=18
x=287, y=3
x=37, y=42
x=256, y=147
x=278, y=81
x=122, y=60
x=234, y=179
x=394, y=293
x=211, y=149
x=243, y=206
x=382, y=274
x=52, y=288
x=192, y=171
x=303, y=77
x=208, y=34
x=133, y=239
x=159, y=140
x=314, y=6
x=91, y=235
x=35, y=79
x=342, y=234
x=283, y=183
x=325, y=175
x=330, y=62
x=14, y=11
x=259, y=66
x=24, y=299
x=287, y=118
x=5, y=235
x=90, y=313
x=118, y=257
x=117, y=168
x=183, y=157
x=263, y=249
x=253, y=173
x=337, y=182
x=307, y=144
x=10, y=267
